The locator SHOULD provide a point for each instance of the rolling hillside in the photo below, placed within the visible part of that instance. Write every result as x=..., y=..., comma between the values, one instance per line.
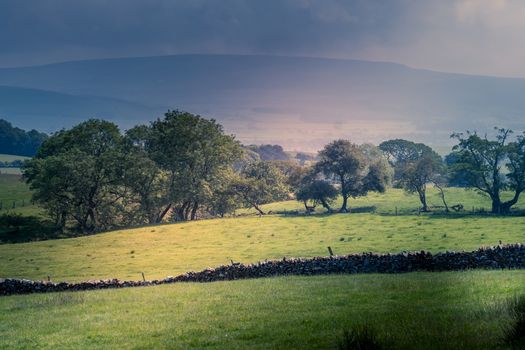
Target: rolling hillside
x=168, y=250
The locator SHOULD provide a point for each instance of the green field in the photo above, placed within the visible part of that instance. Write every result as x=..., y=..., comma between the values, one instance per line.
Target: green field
x=15, y=196
x=168, y=250
x=409, y=311
x=461, y=310
x=10, y=158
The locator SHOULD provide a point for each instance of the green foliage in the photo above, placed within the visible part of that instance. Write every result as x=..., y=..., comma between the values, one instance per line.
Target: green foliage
x=318, y=192
x=481, y=163
x=193, y=152
x=354, y=171
x=75, y=173
x=415, y=166
x=260, y=183
x=293, y=172
x=19, y=142
x=416, y=174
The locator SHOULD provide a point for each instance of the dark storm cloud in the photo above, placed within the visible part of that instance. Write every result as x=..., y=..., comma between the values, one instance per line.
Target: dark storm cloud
x=472, y=36
x=63, y=29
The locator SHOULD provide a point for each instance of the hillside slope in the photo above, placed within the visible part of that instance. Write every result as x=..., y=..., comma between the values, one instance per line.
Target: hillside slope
x=168, y=250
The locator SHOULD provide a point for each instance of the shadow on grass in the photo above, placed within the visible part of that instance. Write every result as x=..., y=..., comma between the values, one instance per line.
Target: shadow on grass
x=16, y=228
x=444, y=316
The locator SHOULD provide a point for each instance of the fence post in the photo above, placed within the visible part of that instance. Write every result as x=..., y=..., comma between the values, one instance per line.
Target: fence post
x=330, y=251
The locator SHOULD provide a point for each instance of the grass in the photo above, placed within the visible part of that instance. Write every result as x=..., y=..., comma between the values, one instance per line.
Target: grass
x=459, y=310
x=404, y=202
x=14, y=190
x=452, y=310
x=166, y=250
x=10, y=158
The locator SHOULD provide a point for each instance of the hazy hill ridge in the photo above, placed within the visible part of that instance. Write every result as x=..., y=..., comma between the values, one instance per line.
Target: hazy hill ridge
x=265, y=99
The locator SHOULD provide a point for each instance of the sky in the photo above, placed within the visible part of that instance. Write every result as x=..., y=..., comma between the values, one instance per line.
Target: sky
x=464, y=36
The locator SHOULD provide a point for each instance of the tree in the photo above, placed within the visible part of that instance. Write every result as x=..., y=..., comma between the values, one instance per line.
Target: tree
x=416, y=174
x=192, y=152
x=225, y=199
x=260, y=183
x=75, y=175
x=144, y=184
x=347, y=164
x=400, y=152
x=293, y=173
x=492, y=166
x=318, y=192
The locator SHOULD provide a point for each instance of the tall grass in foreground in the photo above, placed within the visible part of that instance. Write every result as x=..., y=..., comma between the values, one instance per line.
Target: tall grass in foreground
x=515, y=334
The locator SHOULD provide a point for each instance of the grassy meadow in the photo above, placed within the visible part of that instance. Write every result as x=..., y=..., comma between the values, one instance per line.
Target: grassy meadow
x=456, y=310
x=171, y=249
x=449, y=310
x=15, y=196
x=10, y=158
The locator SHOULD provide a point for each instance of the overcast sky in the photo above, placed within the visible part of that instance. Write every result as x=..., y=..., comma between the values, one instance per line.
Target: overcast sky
x=468, y=36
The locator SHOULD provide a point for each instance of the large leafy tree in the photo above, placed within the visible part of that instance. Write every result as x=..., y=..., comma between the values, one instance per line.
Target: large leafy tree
x=75, y=175
x=492, y=165
x=401, y=152
x=260, y=183
x=192, y=153
x=347, y=164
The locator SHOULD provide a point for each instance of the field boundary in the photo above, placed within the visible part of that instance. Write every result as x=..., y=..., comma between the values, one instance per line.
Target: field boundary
x=510, y=256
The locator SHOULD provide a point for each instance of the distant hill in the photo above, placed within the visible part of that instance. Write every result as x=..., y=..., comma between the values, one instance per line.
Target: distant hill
x=15, y=141
x=298, y=102
x=51, y=111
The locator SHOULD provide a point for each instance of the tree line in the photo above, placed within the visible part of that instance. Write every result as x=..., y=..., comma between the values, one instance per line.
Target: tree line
x=183, y=167
x=19, y=142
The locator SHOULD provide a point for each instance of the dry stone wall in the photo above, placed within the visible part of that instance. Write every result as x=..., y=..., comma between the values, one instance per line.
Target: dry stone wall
x=499, y=257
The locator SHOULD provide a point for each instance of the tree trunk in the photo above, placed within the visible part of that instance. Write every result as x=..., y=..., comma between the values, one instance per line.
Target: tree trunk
x=442, y=195
x=496, y=204
x=506, y=206
x=423, y=199
x=325, y=205
x=345, y=204
x=161, y=215
x=256, y=207
x=194, y=210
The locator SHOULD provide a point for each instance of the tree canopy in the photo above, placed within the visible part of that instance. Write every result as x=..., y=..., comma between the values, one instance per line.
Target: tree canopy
x=347, y=165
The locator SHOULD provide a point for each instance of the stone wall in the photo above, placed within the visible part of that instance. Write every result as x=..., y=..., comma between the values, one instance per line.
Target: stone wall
x=499, y=257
